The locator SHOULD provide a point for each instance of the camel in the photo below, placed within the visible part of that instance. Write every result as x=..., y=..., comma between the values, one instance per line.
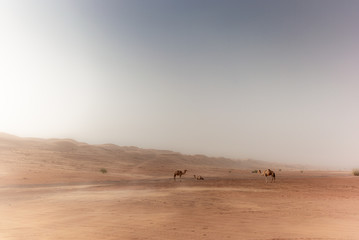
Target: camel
x=198, y=177
x=179, y=173
x=267, y=173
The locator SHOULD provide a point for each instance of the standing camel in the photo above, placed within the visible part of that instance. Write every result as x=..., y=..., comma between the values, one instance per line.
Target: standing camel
x=267, y=173
x=198, y=177
x=179, y=173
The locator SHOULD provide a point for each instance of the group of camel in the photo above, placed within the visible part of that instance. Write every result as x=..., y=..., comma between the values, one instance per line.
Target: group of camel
x=265, y=173
x=180, y=173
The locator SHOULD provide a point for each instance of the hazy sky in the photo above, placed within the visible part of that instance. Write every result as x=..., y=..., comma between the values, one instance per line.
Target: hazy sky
x=268, y=80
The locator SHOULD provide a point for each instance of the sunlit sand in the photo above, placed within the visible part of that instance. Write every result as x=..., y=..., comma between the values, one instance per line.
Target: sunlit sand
x=59, y=192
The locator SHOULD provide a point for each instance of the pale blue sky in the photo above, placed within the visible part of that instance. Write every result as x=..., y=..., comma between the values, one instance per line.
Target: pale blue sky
x=268, y=80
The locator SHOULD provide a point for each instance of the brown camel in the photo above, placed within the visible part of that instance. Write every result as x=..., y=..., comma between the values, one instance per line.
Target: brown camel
x=198, y=177
x=267, y=173
x=179, y=173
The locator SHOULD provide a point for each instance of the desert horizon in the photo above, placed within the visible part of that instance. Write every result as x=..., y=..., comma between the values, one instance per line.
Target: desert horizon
x=247, y=163
x=63, y=189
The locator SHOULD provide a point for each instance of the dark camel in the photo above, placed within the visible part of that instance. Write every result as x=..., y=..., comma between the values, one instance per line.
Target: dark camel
x=179, y=173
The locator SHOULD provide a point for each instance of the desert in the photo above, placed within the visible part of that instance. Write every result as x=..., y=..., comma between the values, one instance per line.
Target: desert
x=156, y=119
x=55, y=189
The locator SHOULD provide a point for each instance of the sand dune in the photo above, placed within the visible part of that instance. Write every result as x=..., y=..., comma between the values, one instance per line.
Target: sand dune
x=66, y=159
x=54, y=189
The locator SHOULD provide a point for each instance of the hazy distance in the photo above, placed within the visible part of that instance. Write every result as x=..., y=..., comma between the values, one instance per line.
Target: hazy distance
x=267, y=80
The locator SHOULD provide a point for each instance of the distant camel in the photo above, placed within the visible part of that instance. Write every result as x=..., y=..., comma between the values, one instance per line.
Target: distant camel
x=198, y=177
x=267, y=173
x=179, y=173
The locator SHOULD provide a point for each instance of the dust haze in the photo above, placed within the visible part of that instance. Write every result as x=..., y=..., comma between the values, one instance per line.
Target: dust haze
x=56, y=189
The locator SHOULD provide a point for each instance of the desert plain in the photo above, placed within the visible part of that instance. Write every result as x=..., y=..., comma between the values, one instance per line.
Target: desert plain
x=63, y=189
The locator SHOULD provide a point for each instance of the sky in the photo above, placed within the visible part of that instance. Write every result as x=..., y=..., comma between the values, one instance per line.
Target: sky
x=257, y=79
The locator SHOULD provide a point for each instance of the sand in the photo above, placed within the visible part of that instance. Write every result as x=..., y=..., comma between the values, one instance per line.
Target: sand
x=296, y=206
x=46, y=195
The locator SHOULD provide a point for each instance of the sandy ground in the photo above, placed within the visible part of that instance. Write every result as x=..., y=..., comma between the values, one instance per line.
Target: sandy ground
x=54, y=189
x=309, y=205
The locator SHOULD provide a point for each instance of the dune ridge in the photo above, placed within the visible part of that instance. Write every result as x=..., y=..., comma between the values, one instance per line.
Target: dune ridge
x=65, y=159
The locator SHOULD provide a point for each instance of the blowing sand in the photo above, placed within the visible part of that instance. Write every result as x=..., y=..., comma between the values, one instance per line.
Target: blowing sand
x=53, y=190
x=297, y=206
